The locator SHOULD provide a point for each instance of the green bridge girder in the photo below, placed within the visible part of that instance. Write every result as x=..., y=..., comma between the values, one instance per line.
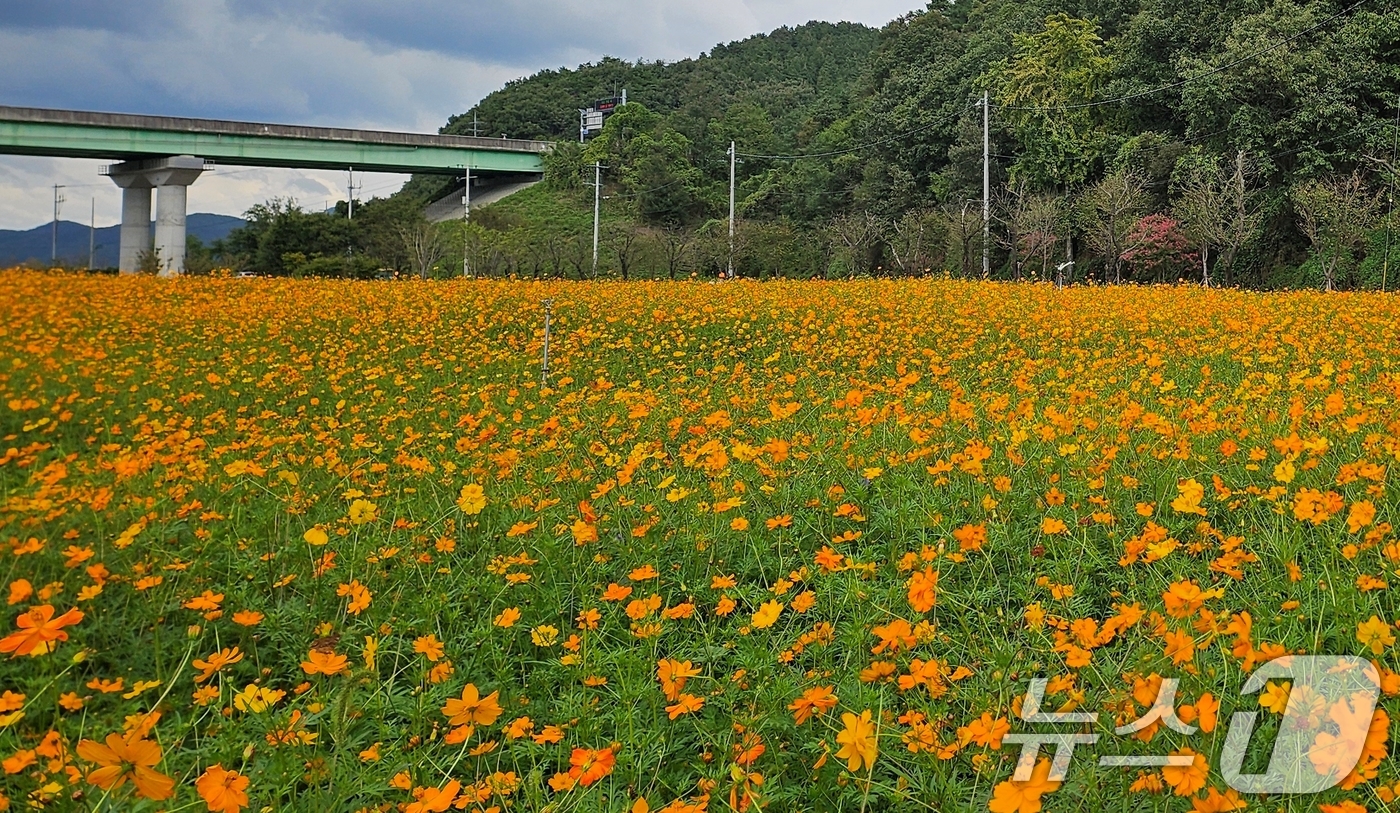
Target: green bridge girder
x=121, y=137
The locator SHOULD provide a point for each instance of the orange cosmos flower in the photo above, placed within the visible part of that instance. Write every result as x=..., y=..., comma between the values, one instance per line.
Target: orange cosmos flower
x=38, y=629
x=222, y=790
x=430, y=647
x=1373, y=633
x=1216, y=802
x=325, y=663
x=673, y=675
x=588, y=766
x=616, y=592
x=971, y=537
x=435, y=800
x=1180, y=647
x=472, y=708
x=20, y=590
x=1186, y=780
x=748, y=749
x=815, y=699
x=205, y=602
x=247, y=618
x=217, y=661
x=685, y=704
x=985, y=730
x=858, y=744
x=827, y=559
x=767, y=614
x=923, y=590
x=1023, y=797
x=122, y=759
x=1182, y=599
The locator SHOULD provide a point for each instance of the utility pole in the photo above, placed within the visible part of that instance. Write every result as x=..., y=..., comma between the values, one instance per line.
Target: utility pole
x=1390, y=216
x=351, y=187
x=475, y=130
x=57, y=201
x=732, y=156
x=986, y=186
x=597, y=202
x=466, y=220
x=92, y=234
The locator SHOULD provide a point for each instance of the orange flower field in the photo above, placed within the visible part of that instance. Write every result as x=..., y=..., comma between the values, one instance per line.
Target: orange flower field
x=793, y=546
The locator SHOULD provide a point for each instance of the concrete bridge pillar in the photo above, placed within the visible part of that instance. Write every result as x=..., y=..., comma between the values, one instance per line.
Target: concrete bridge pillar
x=136, y=221
x=171, y=177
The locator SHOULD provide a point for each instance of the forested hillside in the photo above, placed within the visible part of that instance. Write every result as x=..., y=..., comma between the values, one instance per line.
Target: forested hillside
x=1235, y=141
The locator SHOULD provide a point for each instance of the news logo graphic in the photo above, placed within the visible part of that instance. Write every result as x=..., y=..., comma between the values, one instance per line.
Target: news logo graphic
x=1324, y=726
x=1320, y=739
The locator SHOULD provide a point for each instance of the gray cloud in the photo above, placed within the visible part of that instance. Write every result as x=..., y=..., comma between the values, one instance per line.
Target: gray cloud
x=356, y=63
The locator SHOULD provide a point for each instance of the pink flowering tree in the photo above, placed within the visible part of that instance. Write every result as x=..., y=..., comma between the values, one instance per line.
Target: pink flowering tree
x=1157, y=248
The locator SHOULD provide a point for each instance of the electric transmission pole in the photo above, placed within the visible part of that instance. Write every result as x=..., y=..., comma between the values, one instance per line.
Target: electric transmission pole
x=597, y=203
x=1390, y=215
x=92, y=234
x=350, y=188
x=732, y=156
x=57, y=201
x=986, y=186
x=467, y=217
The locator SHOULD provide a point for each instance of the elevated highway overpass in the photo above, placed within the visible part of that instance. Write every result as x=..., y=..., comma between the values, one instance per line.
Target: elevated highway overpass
x=167, y=154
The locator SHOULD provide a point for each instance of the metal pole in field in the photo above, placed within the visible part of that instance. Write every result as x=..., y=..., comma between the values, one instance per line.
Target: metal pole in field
x=57, y=199
x=597, y=201
x=350, y=188
x=732, y=156
x=92, y=234
x=466, y=217
x=544, y=368
x=1390, y=216
x=986, y=185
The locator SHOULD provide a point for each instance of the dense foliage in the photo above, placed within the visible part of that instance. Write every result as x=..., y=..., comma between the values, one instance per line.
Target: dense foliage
x=1266, y=131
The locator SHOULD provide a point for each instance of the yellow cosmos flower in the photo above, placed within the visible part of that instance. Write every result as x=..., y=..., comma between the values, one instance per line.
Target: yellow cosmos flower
x=472, y=499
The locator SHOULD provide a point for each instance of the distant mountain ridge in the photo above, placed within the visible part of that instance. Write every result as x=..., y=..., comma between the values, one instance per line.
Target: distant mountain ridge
x=36, y=245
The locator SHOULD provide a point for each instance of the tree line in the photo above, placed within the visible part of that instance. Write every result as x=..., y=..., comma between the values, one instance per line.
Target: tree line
x=1233, y=143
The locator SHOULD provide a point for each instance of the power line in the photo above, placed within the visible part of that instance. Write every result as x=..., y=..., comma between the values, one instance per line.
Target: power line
x=641, y=192
x=860, y=147
x=1199, y=137
x=1354, y=131
x=1183, y=82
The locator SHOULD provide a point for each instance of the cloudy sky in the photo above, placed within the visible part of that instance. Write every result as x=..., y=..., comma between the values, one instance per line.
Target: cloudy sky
x=404, y=65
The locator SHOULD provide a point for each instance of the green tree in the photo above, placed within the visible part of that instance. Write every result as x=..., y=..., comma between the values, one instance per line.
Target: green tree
x=1044, y=90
